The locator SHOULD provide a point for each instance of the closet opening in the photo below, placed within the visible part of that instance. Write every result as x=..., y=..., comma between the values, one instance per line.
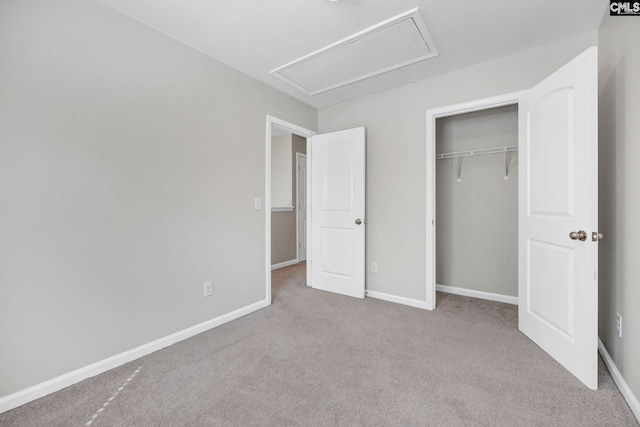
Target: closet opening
x=476, y=204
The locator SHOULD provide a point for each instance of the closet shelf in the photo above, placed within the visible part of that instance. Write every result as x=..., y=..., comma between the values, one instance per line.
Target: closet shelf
x=478, y=152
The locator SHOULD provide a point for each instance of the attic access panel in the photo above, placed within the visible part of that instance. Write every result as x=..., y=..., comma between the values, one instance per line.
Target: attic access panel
x=391, y=44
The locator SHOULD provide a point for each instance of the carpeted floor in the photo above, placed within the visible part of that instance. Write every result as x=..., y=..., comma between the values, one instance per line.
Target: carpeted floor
x=319, y=359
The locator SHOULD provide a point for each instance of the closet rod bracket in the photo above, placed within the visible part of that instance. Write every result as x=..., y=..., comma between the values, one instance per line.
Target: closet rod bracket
x=506, y=166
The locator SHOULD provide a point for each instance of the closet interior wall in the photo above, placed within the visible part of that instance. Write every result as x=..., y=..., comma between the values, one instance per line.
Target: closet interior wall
x=477, y=216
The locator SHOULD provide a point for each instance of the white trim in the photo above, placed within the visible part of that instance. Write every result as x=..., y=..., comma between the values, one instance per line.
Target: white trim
x=309, y=219
x=432, y=115
x=478, y=294
x=300, y=131
x=624, y=388
x=40, y=390
x=284, y=264
x=282, y=209
x=398, y=300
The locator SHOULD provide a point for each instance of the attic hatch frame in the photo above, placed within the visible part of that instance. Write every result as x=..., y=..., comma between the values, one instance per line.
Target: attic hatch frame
x=412, y=14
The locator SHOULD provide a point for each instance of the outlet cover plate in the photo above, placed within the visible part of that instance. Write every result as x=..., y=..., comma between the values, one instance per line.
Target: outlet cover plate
x=208, y=289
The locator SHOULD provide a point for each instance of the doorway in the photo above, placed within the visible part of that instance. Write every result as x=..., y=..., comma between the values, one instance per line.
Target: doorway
x=335, y=227
x=477, y=204
x=284, y=143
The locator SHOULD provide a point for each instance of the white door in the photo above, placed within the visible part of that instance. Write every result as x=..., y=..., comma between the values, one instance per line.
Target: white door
x=337, y=212
x=301, y=204
x=557, y=283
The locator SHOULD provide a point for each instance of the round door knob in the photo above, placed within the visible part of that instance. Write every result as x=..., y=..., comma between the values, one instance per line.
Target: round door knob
x=358, y=221
x=578, y=235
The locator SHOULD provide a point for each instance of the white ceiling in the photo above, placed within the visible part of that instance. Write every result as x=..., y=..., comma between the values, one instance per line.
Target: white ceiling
x=258, y=36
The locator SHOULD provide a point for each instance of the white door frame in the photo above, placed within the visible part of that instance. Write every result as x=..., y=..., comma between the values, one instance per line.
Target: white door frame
x=432, y=115
x=298, y=157
x=300, y=131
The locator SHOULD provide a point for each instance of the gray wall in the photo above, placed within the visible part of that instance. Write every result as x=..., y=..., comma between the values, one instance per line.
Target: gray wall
x=396, y=172
x=283, y=224
x=129, y=165
x=619, y=156
x=477, y=218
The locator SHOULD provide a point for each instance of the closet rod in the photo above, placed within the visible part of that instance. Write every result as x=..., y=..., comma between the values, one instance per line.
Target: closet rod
x=478, y=152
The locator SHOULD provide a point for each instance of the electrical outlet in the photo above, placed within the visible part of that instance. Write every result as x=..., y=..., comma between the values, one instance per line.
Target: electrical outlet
x=619, y=325
x=208, y=289
x=374, y=267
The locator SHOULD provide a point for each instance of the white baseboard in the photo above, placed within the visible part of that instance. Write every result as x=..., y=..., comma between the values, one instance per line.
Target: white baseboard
x=399, y=300
x=478, y=294
x=40, y=390
x=284, y=264
x=631, y=399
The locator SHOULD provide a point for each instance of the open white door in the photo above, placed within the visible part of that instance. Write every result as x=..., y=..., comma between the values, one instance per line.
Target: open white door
x=557, y=283
x=337, y=212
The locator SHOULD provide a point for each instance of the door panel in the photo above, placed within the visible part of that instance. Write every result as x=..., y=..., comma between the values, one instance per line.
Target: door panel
x=337, y=183
x=558, y=195
x=549, y=118
x=337, y=252
x=337, y=201
x=551, y=297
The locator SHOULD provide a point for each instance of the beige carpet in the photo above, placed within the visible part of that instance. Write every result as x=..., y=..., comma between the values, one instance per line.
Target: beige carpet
x=319, y=359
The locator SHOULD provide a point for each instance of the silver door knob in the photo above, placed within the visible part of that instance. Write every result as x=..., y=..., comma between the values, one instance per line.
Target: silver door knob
x=578, y=235
x=595, y=236
x=358, y=221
